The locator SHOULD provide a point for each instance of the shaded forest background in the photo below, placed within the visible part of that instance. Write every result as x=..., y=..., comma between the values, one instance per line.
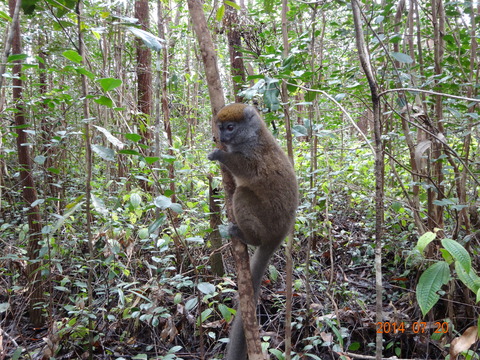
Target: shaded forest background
x=111, y=216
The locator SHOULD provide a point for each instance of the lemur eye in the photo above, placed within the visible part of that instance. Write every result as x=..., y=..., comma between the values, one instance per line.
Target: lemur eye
x=230, y=127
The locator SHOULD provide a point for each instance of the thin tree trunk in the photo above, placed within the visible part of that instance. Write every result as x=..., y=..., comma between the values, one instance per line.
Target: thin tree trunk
x=27, y=183
x=88, y=179
x=289, y=248
x=230, y=21
x=379, y=166
x=240, y=253
x=164, y=97
x=144, y=73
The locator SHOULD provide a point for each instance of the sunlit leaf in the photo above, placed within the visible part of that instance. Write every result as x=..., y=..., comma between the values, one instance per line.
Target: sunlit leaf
x=108, y=84
x=72, y=55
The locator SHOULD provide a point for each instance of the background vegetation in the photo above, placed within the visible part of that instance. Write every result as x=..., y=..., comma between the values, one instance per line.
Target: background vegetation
x=109, y=207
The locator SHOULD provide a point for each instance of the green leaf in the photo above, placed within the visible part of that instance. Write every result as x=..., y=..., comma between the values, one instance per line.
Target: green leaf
x=268, y=6
x=270, y=97
x=424, y=240
x=4, y=307
x=206, y=288
x=17, y=353
x=403, y=58
x=205, y=315
x=191, y=303
x=220, y=13
x=28, y=6
x=135, y=200
x=232, y=4
x=162, y=202
x=156, y=224
x=458, y=252
x=225, y=311
x=112, y=139
x=17, y=57
x=108, y=84
x=143, y=233
x=72, y=55
x=133, y=137
x=140, y=357
x=469, y=278
x=99, y=205
x=105, y=153
x=129, y=152
x=40, y=159
x=299, y=130
x=4, y=16
x=176, y=208
x=103, y=100
x=151, y=41
x=85, y=72
x=151, y=159
x=430, y=283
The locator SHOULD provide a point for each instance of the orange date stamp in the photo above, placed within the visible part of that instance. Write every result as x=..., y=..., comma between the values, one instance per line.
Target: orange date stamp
x=417, y=327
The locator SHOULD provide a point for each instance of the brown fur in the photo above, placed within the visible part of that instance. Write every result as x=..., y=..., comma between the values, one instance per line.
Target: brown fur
x=266, y=197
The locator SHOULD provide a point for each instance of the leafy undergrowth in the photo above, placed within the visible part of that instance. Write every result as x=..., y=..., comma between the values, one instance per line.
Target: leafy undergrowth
x=149, y=301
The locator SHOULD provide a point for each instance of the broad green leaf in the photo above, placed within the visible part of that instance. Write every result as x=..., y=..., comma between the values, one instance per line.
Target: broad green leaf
x=4, y=15
x=162, y=202
x=17, y=57
x=270, y=97
x=458, y=252
x=151, y=159
x=104, y=152
x=206, y=288
x=72, y=55
x=85, y=72
x=143, y=233
x=299, y=130
x=108, y=84
x=176, y=208
x=220, y=13
x=40, y=159
x=225, y=311
x=232, y=4
x=133, y=137
x=424, y=240
x=129, y=152
x=404, y=58
x=205, y=315
x=113, y=140
x=135, y=200
x=469, y=278
x=191, y=303
x=103, y=100
x=430, y=282
x=156, y=224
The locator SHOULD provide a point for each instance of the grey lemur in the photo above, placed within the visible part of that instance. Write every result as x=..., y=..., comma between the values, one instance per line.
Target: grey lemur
x=265, y=199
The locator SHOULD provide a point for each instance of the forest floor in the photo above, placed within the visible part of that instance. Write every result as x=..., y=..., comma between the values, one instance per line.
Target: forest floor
x=335, y=318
